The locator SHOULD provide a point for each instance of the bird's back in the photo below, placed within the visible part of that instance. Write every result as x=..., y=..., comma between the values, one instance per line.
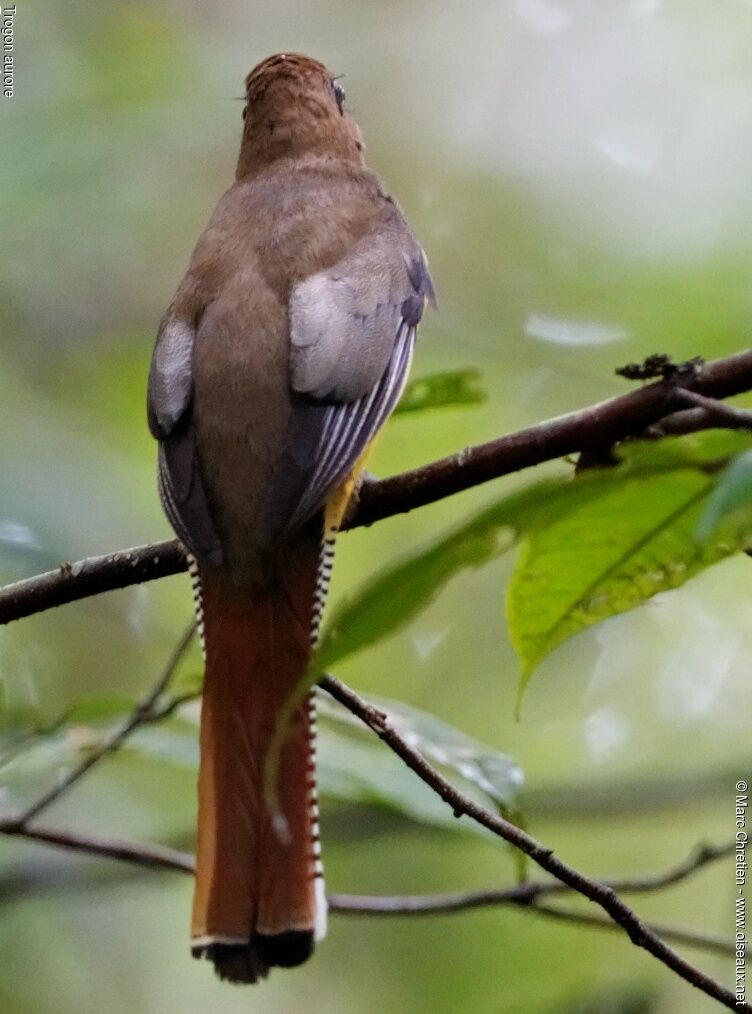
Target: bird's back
x=267, y=234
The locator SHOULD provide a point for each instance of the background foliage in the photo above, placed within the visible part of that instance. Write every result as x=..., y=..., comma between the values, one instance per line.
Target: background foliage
x=582, y=192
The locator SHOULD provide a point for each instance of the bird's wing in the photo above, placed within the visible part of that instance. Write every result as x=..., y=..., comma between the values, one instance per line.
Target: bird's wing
x=169, y=410
x=352, y=332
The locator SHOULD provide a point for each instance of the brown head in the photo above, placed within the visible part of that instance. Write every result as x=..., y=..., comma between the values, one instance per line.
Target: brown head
x=294, y=107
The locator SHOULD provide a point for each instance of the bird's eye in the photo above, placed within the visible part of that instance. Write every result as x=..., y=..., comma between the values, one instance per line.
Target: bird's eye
x=339, y=94
x=245, y=110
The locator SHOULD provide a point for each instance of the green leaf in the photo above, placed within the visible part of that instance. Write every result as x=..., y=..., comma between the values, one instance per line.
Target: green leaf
x=394, y=597
x=596, y=544
x=357, y=772
x=354, y=766
x=397, y=595
x=631, y=536
x=18, y=729
x=733, y=490
x=439, y=390
x=710, y=450
x=497, y=775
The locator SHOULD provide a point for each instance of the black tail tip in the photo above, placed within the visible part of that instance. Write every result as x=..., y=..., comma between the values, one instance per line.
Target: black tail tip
x=285, y=950
x=249, y=963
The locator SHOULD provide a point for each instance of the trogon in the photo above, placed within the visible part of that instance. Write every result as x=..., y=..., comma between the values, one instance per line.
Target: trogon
x=284, y=350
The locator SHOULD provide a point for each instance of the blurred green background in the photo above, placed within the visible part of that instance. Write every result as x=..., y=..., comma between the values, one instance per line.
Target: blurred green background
x=579, y=176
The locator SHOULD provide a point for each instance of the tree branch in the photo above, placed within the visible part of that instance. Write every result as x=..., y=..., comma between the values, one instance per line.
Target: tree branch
x=525, y=896
x=528, y=892
x=603, y=895
x=723, y=415
x=97, y=574
x=148, y=855
x=587, y=430
x=427, y=905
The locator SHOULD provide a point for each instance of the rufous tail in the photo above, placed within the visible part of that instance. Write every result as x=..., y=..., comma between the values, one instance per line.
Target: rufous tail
x=259, y=898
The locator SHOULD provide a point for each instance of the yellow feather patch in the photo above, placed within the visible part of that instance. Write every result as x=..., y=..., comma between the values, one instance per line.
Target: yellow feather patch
x=339, y=500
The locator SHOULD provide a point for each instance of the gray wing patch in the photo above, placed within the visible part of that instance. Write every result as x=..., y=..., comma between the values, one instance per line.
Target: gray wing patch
x=352, y=333
x=170, y=376
x=344, y=321
x=337, y=334
x=169, y=410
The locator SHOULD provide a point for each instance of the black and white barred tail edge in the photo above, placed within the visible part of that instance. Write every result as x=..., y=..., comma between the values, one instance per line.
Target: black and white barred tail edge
x=323, y=579
x=198, y=602
x=317, y=867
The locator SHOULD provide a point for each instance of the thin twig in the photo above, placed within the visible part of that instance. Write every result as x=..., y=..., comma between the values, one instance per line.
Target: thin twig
x=707, y=413
x=702, y=856
x=143, y=713
x=462, y=805
x=530, y=893
x=690, y=938
x=688, y=420
x=527, y=896
x=725, y=415
x=527, y=893
x=589, y=429
x=148, y=855
x=432, y=905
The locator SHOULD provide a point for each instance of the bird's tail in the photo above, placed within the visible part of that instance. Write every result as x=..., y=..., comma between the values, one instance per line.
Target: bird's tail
x=259, y=895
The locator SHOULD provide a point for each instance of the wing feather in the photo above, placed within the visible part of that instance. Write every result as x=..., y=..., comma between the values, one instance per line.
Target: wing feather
x=170, y=414
x=352, y=333
x=348, y=429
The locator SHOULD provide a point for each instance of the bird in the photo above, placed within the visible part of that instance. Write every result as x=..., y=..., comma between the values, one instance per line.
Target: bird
x=285, y=348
